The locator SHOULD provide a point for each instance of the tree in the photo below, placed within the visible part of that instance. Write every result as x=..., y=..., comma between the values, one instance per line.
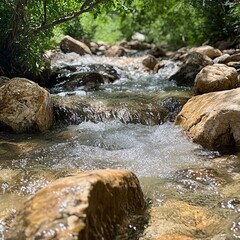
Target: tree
x=27, y=27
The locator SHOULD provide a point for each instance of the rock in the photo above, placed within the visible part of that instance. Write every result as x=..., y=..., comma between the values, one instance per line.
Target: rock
x=94, y=47
x=216, y=77
x=3, y=80
x=192, y=65
x=235, y=65
x=149, y=62
x=222, y=59
x=25, y=107
x=115, y=51
x=212, y=119
x=136, y=45
x=157, y=52
x=158, y=66
x=69, y=44
x=88, y=80
x=208, y=51
x=146, y=109
x=84, y=73
x=234, y=58
x=138, y=37
x=177, y=220
x=91, y=205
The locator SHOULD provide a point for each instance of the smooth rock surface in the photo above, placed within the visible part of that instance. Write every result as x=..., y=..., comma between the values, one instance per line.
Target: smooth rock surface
x=91, y=205
x=208, y=51
x=212, y=119
x=216, y=77
x=69, y=44
x=25, y=107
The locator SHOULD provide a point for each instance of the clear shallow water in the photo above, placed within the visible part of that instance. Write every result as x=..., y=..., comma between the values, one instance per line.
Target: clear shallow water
x=169, y=166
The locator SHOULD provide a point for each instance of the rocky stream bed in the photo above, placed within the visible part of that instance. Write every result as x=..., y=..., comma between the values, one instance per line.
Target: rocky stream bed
x=124, y=119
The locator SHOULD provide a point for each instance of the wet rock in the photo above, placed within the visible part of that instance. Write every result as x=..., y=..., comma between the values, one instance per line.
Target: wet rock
x=91, y=76
x=25, y=107
x=192, y=65
x=157, y=52
x=216, y=77
x=158, y=66
x=91, y=205
x=150, y=110
x=212, y=119
x=180, y=220
x=150, y=62
x=69, y=44
x=90, y=81
x=209, y=51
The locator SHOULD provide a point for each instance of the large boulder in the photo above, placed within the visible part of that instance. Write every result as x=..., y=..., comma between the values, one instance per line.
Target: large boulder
x=208, y=51
x=212, y=119
x=87, y=206
x=216, y=77
x=192, y=65
x=69, y=44
x=25, y=107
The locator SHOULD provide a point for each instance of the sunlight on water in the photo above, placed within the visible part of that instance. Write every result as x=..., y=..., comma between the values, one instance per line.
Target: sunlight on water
x=147, y=151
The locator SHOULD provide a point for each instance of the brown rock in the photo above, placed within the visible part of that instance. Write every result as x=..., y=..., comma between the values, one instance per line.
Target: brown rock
x=216, y=77
x=212, y=119
x=159, y=65
x=25, y=107
x=91, y=205
x=115, y=51
x=208, y=51
x=69, y=44
x=157, y=52
x=176, y=220
x=150, y=62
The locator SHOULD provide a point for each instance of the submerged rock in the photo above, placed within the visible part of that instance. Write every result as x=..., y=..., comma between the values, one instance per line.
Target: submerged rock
x=212, y=119
x=90, y=81
x=177, y=220
x=128, y=108
x=25, y=107
x=91, y=205
x=192, y=65
x=217, y=77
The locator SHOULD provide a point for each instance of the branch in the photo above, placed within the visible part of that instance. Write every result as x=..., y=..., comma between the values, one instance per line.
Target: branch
x=86, y=7
x=44, y=12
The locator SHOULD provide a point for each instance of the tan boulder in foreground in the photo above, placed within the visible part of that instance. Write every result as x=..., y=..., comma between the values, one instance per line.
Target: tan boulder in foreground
x=87, y=206
x=25, y=107
x=216, y=77
x=212, y=119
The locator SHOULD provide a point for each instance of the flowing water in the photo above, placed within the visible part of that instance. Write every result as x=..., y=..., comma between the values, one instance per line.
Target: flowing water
x=192, y=192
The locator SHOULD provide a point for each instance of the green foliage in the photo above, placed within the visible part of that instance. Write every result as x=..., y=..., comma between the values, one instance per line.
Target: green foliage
x=28, y=26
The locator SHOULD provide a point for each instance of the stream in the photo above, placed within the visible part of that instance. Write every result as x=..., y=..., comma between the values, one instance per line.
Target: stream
x=192, y=192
